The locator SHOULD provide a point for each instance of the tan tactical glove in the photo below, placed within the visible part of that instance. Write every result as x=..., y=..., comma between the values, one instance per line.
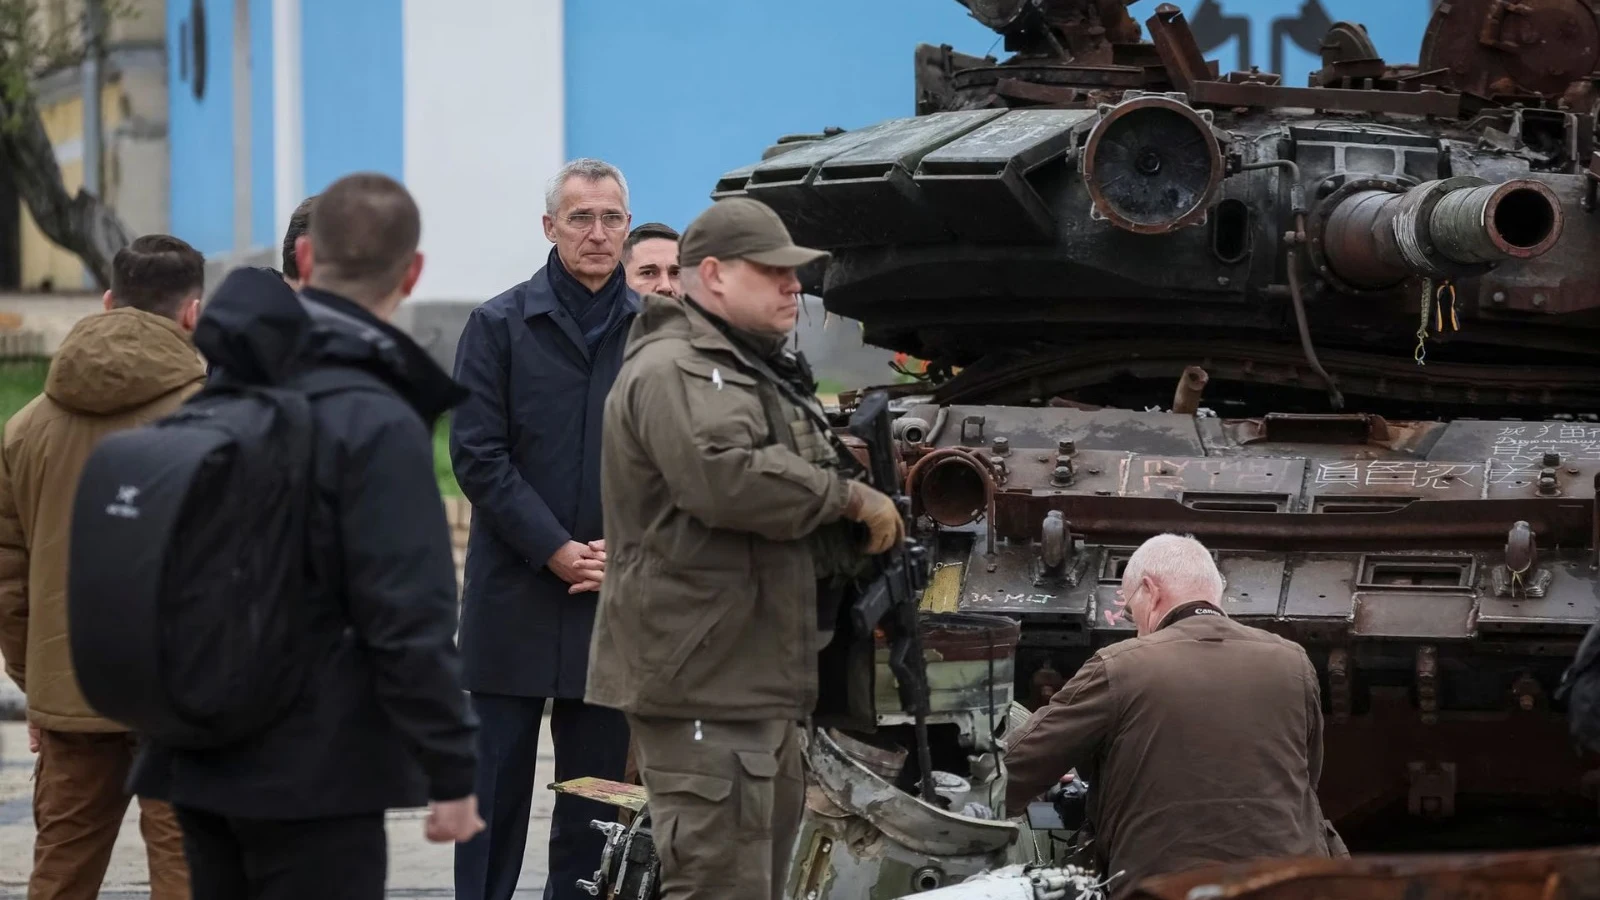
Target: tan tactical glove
x=875, y=510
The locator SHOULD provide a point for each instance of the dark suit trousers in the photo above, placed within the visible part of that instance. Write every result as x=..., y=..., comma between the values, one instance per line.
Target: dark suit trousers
x=258, y=859
x=590, y=740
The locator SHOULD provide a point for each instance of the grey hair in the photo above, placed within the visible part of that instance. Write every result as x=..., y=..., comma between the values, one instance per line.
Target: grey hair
x=587, y=168
x=1181, y=564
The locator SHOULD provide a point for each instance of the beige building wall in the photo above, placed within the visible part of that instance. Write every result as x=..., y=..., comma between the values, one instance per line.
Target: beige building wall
x=146, y=21
x=133, y=105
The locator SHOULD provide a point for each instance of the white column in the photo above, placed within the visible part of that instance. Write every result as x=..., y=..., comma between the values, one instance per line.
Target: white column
x=485, y=126
x=242, y=182
x=288, y=113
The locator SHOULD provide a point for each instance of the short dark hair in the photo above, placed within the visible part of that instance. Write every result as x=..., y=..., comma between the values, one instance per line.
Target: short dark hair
x=646, y=232
x=299, y=223
x=157, y=273
x=363, y=236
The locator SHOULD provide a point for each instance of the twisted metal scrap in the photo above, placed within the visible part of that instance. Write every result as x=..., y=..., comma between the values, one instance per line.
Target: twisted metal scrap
x=1071, y=883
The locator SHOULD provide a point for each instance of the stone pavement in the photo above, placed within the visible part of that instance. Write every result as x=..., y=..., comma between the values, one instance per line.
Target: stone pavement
x=417, y=869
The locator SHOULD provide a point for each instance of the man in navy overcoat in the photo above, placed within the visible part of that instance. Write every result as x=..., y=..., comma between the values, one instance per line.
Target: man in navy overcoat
x=539, y=360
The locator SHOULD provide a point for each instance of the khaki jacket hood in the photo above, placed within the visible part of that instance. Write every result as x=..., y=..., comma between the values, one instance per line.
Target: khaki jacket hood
x=120, y=360
x=667, y=318
x=659, y=317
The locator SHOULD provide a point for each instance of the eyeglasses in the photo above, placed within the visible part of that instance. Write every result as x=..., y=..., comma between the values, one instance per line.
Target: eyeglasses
x=585, y=221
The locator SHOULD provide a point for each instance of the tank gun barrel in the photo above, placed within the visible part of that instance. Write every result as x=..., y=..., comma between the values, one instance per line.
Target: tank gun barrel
x=1377, y=234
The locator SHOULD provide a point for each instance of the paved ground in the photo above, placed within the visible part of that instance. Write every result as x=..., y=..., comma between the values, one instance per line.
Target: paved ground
x=417, y=869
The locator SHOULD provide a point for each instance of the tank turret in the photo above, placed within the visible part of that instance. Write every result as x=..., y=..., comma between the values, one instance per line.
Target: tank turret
x=1100, y=193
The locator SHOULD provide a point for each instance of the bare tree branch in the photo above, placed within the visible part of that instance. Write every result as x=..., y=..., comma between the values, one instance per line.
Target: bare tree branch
x=81, y=224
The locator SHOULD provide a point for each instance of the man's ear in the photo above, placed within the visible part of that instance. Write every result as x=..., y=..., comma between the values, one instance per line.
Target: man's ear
x=711, y=273
x=304, y=258
x=190, y=316
x=413, y=273
x=109, y=302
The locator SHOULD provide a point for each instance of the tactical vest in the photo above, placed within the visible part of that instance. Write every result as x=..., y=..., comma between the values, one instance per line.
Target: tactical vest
x=835, y=547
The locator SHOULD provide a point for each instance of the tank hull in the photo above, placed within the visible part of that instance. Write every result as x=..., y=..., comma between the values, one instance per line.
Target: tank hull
x=1381, y=547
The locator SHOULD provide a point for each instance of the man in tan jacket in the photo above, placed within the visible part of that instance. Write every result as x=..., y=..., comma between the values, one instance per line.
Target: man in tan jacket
x=118, y=369
x=718, y=487
x=1200, y=739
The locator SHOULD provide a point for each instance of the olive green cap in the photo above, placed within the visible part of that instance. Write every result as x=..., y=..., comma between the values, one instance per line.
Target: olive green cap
x=742, y=228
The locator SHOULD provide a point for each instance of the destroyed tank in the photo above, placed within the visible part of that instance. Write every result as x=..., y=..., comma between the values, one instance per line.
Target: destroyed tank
x=1346, y=334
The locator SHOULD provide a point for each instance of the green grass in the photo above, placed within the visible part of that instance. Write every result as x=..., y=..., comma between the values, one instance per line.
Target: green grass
x=441, y=459
x=827, y=387
x=20, y=381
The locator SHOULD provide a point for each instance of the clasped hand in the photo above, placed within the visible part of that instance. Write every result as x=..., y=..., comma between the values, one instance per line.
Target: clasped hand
x=583, y=566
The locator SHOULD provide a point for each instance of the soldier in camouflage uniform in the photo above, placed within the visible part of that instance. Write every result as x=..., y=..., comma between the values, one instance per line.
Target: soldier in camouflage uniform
x=723, y=507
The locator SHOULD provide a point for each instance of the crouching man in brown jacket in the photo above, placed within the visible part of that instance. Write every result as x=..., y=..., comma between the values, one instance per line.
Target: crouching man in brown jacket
x=718, y=489
x=1200, y=739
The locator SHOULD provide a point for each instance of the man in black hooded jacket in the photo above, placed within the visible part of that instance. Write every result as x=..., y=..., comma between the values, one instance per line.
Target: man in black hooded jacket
x=298, y=811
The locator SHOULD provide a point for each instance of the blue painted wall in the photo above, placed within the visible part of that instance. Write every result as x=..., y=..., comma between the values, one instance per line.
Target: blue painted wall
x=1395, y=26
x=201, y=128
x=263, y=218
x=353, y=73
x=676, y=94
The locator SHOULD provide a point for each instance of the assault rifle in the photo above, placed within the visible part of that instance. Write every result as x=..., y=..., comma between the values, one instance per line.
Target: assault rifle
x=890, y=600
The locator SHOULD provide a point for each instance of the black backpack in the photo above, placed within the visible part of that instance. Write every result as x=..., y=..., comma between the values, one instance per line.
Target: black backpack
x=189, y=563
x=1580, y=687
